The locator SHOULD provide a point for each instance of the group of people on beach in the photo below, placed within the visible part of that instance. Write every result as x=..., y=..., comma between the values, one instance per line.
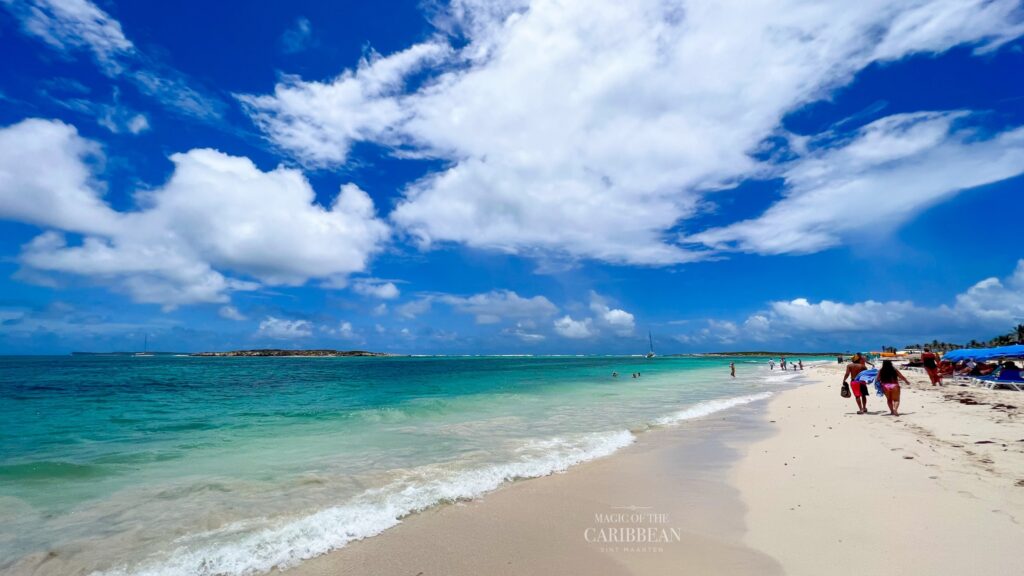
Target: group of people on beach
x=771, y=365
x=888, y=377
x=783, y=364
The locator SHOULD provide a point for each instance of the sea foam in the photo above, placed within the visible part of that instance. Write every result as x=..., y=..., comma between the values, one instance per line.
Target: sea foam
x=373, y=511
x=709, y=407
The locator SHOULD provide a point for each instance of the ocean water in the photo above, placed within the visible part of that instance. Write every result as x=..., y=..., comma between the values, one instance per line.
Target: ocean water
x=182, y=465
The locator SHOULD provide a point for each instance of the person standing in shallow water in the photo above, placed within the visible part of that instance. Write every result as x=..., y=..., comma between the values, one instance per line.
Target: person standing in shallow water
x=860, y=389
x=889, y=377
x=732, y=369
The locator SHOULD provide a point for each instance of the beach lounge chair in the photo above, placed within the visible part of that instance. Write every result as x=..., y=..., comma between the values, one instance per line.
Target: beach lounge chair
x=1008, y=378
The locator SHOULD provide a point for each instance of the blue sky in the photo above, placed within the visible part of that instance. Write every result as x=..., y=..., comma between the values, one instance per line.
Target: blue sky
x=509, y=177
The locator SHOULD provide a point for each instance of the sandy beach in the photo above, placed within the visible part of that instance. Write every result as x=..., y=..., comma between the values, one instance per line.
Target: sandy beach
x=796, y=484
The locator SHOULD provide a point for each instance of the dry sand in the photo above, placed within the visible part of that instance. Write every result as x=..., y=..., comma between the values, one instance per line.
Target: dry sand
x=798, y=485
x=939, y=490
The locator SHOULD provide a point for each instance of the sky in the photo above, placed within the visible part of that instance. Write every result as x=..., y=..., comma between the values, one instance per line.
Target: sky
x=509, y=176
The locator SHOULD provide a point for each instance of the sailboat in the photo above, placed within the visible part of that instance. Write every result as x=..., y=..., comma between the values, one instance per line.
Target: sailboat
x=145, y=348
x=650, y=354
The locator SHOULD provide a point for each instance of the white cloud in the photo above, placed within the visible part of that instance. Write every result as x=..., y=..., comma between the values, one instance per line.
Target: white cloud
x=216, y=215
x=380, y=309
x=594, y=128
x=487, y=307
x=176, y=92
x=568, y=327
x=320, y=121
x=345, y=331
x=45, y=178
x=898, y=166
x=620, y=321
x=71, y=26
x=989, y=307
x=281, y=329
x=496, y=305
x=414, y=308
x=231, y=313
x=74, y=25
x=524, y=331
x=113, y=116
x=376, y=288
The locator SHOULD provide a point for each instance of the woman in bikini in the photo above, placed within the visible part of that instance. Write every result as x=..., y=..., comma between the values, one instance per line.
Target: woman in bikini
x=889, y=377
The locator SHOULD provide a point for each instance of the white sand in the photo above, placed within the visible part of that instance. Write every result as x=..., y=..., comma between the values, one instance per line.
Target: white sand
x=834, y=492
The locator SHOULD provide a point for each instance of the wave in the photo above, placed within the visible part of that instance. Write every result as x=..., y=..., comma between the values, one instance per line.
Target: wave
x=254, y=547
x=709, y=407
x=288, y=543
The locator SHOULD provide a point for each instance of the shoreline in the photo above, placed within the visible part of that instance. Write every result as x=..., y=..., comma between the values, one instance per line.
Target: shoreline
x=556, y=523
x=797, y=484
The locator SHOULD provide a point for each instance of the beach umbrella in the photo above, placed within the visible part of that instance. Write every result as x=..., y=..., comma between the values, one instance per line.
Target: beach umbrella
x=1012, y=351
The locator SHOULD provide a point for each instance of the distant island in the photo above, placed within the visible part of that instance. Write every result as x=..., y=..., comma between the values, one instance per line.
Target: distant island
x=761, y=354
x=283, y=352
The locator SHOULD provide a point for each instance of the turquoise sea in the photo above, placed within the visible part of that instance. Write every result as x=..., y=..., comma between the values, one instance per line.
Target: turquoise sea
x=170, y=465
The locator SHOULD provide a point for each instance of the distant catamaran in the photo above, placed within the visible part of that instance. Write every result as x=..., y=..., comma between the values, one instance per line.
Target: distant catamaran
x=650, y=354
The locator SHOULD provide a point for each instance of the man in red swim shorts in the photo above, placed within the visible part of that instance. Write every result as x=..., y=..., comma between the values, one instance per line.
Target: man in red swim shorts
x=857, y=365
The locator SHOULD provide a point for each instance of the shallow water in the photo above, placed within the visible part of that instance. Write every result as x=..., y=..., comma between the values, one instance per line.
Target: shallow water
x=171, y=465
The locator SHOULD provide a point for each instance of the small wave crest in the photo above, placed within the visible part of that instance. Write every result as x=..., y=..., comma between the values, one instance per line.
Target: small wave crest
x=709, y=407
x=288, y=543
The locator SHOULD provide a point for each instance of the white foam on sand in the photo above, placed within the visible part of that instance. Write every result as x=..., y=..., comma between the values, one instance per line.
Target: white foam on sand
x=289, y=542
x=709, y=407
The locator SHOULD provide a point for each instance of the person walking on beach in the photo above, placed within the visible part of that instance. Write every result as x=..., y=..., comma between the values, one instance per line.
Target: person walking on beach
x=771, y=364
x=860, y=389
x=889, y=377
x=732, y=369
x=931, y=366
x=801, y=363
x=782, y=362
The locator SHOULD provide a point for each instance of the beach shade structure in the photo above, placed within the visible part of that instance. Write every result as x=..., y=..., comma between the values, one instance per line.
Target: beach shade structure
x=997, y=353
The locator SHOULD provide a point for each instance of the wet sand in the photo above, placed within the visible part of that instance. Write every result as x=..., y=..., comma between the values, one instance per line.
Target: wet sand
x=672, y=480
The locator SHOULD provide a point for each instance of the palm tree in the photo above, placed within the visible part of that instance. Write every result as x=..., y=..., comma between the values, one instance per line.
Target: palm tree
x=1020, y=333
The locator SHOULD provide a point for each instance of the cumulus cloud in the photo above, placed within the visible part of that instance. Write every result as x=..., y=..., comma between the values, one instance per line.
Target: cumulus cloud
x=46, y=178
x=320, y=121
x=374, y=288
x=989, y=306
x=898, y=166
x=216, y=215
x=487, y=307
x=620, y=321
x=282, y=329
x=576, y=329
x=567, y=127
x=344, y=330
